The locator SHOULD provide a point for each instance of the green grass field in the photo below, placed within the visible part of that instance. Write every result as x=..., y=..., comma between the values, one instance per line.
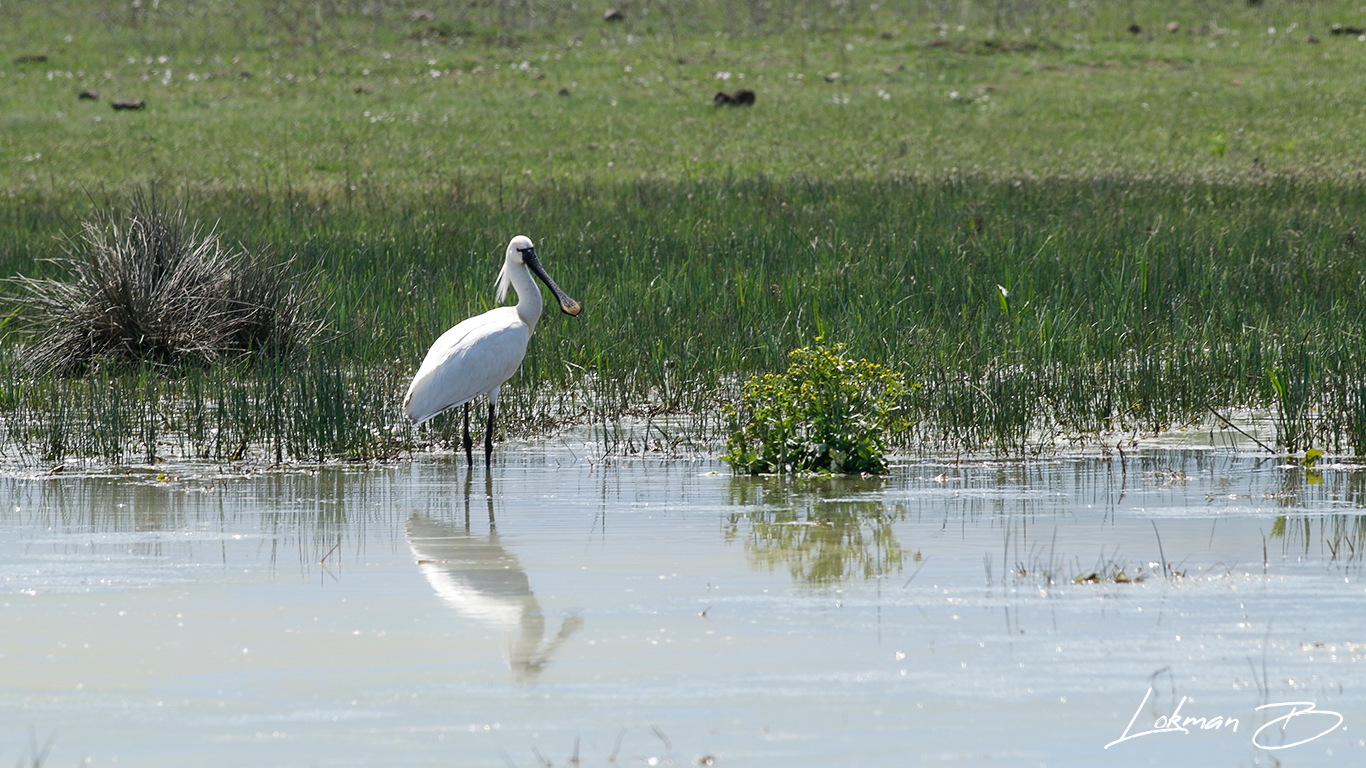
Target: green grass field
x=1053, y=226
x=263, y=95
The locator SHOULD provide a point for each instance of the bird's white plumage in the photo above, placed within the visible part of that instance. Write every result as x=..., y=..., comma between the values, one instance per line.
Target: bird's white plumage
x=471, y=359
x=479, y=354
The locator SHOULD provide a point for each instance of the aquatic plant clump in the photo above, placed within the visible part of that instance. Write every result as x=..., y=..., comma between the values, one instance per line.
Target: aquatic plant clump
x=150, y=287
x=826, y=413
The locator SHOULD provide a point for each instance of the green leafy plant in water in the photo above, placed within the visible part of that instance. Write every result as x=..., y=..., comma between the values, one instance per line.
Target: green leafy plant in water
x=826, y=413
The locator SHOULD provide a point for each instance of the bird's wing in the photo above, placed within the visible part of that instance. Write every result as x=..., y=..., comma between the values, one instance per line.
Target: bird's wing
x=468, y=360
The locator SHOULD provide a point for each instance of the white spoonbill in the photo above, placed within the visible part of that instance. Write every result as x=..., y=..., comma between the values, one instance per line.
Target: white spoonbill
x=479, y=354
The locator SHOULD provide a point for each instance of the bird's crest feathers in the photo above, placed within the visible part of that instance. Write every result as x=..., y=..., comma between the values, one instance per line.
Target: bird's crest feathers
x=503, y=283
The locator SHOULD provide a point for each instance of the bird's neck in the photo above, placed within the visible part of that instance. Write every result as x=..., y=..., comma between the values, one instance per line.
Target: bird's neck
x=529, y=302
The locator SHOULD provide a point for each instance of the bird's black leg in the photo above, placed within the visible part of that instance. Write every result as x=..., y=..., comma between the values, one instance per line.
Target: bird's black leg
x=469, y=444
x=469, y=479
x=488, y=494
x=488, y=438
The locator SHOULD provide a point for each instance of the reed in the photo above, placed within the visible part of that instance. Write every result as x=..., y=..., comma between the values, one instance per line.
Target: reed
x=1131, y=304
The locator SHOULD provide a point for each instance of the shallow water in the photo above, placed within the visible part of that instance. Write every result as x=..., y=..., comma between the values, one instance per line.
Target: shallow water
x=664, y=612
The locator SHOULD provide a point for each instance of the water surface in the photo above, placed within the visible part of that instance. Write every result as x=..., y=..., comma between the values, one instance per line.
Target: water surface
x=664, y=612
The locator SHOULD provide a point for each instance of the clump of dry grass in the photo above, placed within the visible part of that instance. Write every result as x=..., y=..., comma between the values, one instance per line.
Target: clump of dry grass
x=149, y=286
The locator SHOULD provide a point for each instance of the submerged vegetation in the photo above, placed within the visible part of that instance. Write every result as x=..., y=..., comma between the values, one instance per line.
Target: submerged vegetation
x=1023, y=215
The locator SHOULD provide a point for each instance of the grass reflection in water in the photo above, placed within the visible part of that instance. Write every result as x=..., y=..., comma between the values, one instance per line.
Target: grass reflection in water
x=823, y=529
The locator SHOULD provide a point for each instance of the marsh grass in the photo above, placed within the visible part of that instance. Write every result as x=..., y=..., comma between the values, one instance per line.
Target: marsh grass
x=1051, y=228
x=260, y=413
x=148, y=286
x=1135, y=305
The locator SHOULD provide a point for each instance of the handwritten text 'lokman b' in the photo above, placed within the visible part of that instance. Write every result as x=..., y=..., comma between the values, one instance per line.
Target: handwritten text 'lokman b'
x=1176, y=723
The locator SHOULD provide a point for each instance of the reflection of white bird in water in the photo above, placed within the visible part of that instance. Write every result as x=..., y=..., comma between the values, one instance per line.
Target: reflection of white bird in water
x=485, y=582
x=479, y=354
